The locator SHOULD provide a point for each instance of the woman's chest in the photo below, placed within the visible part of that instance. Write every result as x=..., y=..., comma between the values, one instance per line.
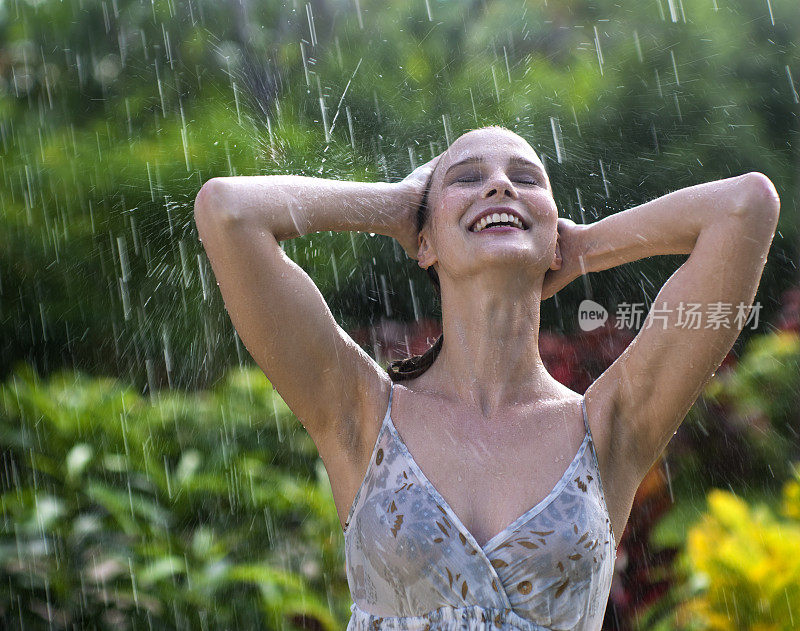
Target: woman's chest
x=491, y=475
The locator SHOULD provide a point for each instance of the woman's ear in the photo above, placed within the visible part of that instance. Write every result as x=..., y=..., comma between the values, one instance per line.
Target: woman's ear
x=425, y=255
x=556, y=264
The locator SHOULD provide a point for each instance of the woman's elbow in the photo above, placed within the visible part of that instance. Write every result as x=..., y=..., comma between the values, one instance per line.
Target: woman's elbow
x=212, y=202
x=760, y=195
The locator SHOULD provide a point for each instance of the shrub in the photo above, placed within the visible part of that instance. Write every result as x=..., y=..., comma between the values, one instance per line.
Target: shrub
x=187, y=511
x=741, y=565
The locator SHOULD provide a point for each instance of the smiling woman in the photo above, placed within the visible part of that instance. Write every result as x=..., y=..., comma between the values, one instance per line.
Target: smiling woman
x=509, y=510
x=513, y=165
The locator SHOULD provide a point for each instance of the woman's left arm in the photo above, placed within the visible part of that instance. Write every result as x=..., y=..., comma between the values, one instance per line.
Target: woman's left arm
x=726, y=227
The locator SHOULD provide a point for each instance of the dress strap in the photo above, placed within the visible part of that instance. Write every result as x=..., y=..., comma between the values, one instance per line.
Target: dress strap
x=599, y=477
x=391, y=392
x=585, y=417
x=589, y=431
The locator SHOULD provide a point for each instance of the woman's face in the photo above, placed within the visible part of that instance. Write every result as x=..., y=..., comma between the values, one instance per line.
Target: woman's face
x=489, y=169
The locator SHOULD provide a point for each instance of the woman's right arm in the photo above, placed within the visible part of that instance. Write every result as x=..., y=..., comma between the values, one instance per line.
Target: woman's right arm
x=325, y=378
x=289, y=206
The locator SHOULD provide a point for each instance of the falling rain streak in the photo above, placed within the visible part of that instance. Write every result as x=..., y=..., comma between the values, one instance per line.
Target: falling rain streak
x=137, y=419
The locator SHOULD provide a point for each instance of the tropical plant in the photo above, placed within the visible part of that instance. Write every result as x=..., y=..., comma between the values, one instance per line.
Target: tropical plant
x=743, y=429
x=741, y=566
x=210, y=510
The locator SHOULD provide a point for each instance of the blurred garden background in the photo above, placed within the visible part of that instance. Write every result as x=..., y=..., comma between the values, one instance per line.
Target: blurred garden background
x=151, y=477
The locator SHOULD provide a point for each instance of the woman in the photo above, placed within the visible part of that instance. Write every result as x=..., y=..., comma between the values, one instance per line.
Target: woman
x=476, y=491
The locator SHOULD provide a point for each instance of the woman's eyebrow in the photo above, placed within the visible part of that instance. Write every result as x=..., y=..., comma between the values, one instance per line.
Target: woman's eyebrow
x=514, y=161
x=470, y=160
x=524, y=162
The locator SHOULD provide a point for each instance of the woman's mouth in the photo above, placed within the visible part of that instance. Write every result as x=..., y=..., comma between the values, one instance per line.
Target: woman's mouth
x=505, y=217
x=500, y=229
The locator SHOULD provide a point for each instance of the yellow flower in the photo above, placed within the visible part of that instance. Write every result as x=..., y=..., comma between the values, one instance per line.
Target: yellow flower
x=743, y=565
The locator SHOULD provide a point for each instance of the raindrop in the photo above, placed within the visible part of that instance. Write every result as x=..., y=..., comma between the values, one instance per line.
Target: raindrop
x=791, y=84
x=166, y=476
x=203, y=278
x=603, y=175
x=350, y=128
x=150, y=180
x=577, y=126
x=638, y=46
x=311, y=29
x=184, y=137
x=324, y=112
x=411, y=158
x=377, y=107
x=167, y=47
x=167, y=352
x=677, y=106
x=160, y=89
x=335, y=270
x=184, y=263
x=672, y=12
x=231, y=170
x=236, y=100
x=475, y=113
x=658, y=83
x=669, y=479
x=386, y=296
x=358, y=13
x=557, y=141
x=271, y=139
x=447, y=132
x=674, y=67
x=414, y=302
x=123, y=258
x=580, y=205
x=305, y=61
x=352, y=243
x=599, y=52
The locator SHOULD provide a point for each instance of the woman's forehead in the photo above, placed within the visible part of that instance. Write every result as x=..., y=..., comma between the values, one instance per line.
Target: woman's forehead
x=488, y=145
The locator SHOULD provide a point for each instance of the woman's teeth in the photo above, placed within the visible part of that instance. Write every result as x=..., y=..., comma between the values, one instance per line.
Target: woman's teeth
x=498, y=218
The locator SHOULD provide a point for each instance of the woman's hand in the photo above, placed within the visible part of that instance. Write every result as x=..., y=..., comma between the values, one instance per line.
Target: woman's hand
x=568, y=251
x=412, y=190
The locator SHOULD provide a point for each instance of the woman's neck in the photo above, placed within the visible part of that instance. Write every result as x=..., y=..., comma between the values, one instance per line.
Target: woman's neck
x=490, y=355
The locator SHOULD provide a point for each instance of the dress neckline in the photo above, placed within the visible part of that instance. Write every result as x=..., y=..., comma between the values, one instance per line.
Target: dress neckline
x=528, y=514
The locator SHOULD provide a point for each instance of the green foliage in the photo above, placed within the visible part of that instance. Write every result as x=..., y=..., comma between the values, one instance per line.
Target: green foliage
x=742, y=432
x=765, y=383
x=187, y=511
x=762, y=396
x=742, y=566
x=113, y=117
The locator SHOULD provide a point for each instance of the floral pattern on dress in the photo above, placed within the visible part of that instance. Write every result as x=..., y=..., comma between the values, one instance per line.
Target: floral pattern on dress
x=411, y=564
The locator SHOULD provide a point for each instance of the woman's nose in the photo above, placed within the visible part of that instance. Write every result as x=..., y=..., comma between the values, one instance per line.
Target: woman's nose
x=499, y=186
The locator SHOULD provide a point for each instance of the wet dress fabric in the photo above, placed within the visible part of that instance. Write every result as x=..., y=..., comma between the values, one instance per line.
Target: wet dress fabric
x=411, y=564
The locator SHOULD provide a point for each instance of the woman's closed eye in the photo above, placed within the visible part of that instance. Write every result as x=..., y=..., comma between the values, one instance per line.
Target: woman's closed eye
x=522, y=178
x=468, y=178
x=526, y=179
